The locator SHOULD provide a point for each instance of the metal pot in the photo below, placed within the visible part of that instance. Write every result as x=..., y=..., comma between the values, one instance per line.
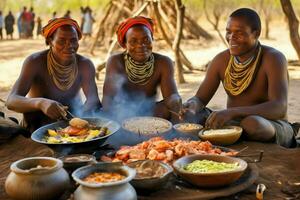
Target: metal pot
x=37, y=178
x=103, y=191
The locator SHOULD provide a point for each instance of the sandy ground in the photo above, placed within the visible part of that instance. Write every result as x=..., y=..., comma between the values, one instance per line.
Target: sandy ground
x=13, y=53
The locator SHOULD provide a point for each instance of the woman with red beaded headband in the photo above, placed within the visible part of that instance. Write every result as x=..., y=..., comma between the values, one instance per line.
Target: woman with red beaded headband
x=133, y=76
x=51, y=80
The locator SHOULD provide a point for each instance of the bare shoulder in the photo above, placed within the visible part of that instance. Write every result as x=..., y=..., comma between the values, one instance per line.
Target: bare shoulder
x=273, y=56
x=162, y=59
x=115, y=62
x=37, y=57
x=36, y=60
x=221, y=59
x=163, y=62
x=84, y=62
x=273, y=61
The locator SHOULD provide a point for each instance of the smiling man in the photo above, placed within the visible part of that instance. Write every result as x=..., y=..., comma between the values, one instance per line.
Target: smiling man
x=255, y=78
x=133, y=76
x=51, y=80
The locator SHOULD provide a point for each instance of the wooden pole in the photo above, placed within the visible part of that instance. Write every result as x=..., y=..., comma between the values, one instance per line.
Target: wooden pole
x=176, y=44
x=100, y=27
x=183, y=58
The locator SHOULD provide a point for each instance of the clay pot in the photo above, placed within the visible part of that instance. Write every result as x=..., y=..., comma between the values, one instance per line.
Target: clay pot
x=37, y=178
x=104, y=191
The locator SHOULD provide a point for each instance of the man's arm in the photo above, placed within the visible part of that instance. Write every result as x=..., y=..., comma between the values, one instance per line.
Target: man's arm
x=18, y=101
x=89, y=87
x=208, y=87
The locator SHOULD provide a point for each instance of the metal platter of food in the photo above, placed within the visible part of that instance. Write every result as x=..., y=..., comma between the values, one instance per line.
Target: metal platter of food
x=75, y=131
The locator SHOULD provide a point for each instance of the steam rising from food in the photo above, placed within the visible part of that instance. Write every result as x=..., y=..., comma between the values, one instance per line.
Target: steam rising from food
x=127, y=103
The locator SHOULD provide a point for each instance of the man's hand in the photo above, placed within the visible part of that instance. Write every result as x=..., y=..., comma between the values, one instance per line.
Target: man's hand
x=192, y=106
x=53, y=109
x=217, y=119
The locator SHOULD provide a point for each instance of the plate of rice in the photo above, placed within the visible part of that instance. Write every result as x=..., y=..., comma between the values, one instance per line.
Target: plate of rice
x=224, y=136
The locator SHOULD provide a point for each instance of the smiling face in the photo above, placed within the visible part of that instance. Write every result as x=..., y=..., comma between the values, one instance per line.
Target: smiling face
x=240, y=37
x=139, y=43
x=64, y=44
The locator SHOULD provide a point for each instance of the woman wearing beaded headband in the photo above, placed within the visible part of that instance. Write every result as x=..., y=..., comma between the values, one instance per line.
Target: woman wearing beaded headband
x=51, y=80
x=136, y=74
x=255, y=78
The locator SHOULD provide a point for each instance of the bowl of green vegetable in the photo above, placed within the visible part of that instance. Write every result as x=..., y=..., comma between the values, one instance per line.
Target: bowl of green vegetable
x=209, y=170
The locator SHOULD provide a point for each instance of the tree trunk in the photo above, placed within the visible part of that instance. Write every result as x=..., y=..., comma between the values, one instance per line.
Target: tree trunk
x=176, y=44
x=293, y=24
x=267, y=24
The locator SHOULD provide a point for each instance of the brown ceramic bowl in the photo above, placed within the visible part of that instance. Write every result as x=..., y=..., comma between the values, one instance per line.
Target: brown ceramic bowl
x=147, y=182
x=225, y=136
x=210, y=180
x=74, y=161
x=188, y=130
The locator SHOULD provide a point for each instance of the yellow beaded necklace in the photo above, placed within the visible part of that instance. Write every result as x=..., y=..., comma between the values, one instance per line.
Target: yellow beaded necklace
x=238, y=76
x=62, y=76
x=139, y=73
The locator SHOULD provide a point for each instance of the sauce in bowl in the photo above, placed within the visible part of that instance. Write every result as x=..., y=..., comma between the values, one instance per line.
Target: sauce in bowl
x=103, y=177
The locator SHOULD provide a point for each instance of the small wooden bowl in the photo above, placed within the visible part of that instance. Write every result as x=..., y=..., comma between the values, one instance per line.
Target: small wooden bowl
x=74, y=161
x=222, y=138
x=210, y=180
x=186, y=129
x=151, y=183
